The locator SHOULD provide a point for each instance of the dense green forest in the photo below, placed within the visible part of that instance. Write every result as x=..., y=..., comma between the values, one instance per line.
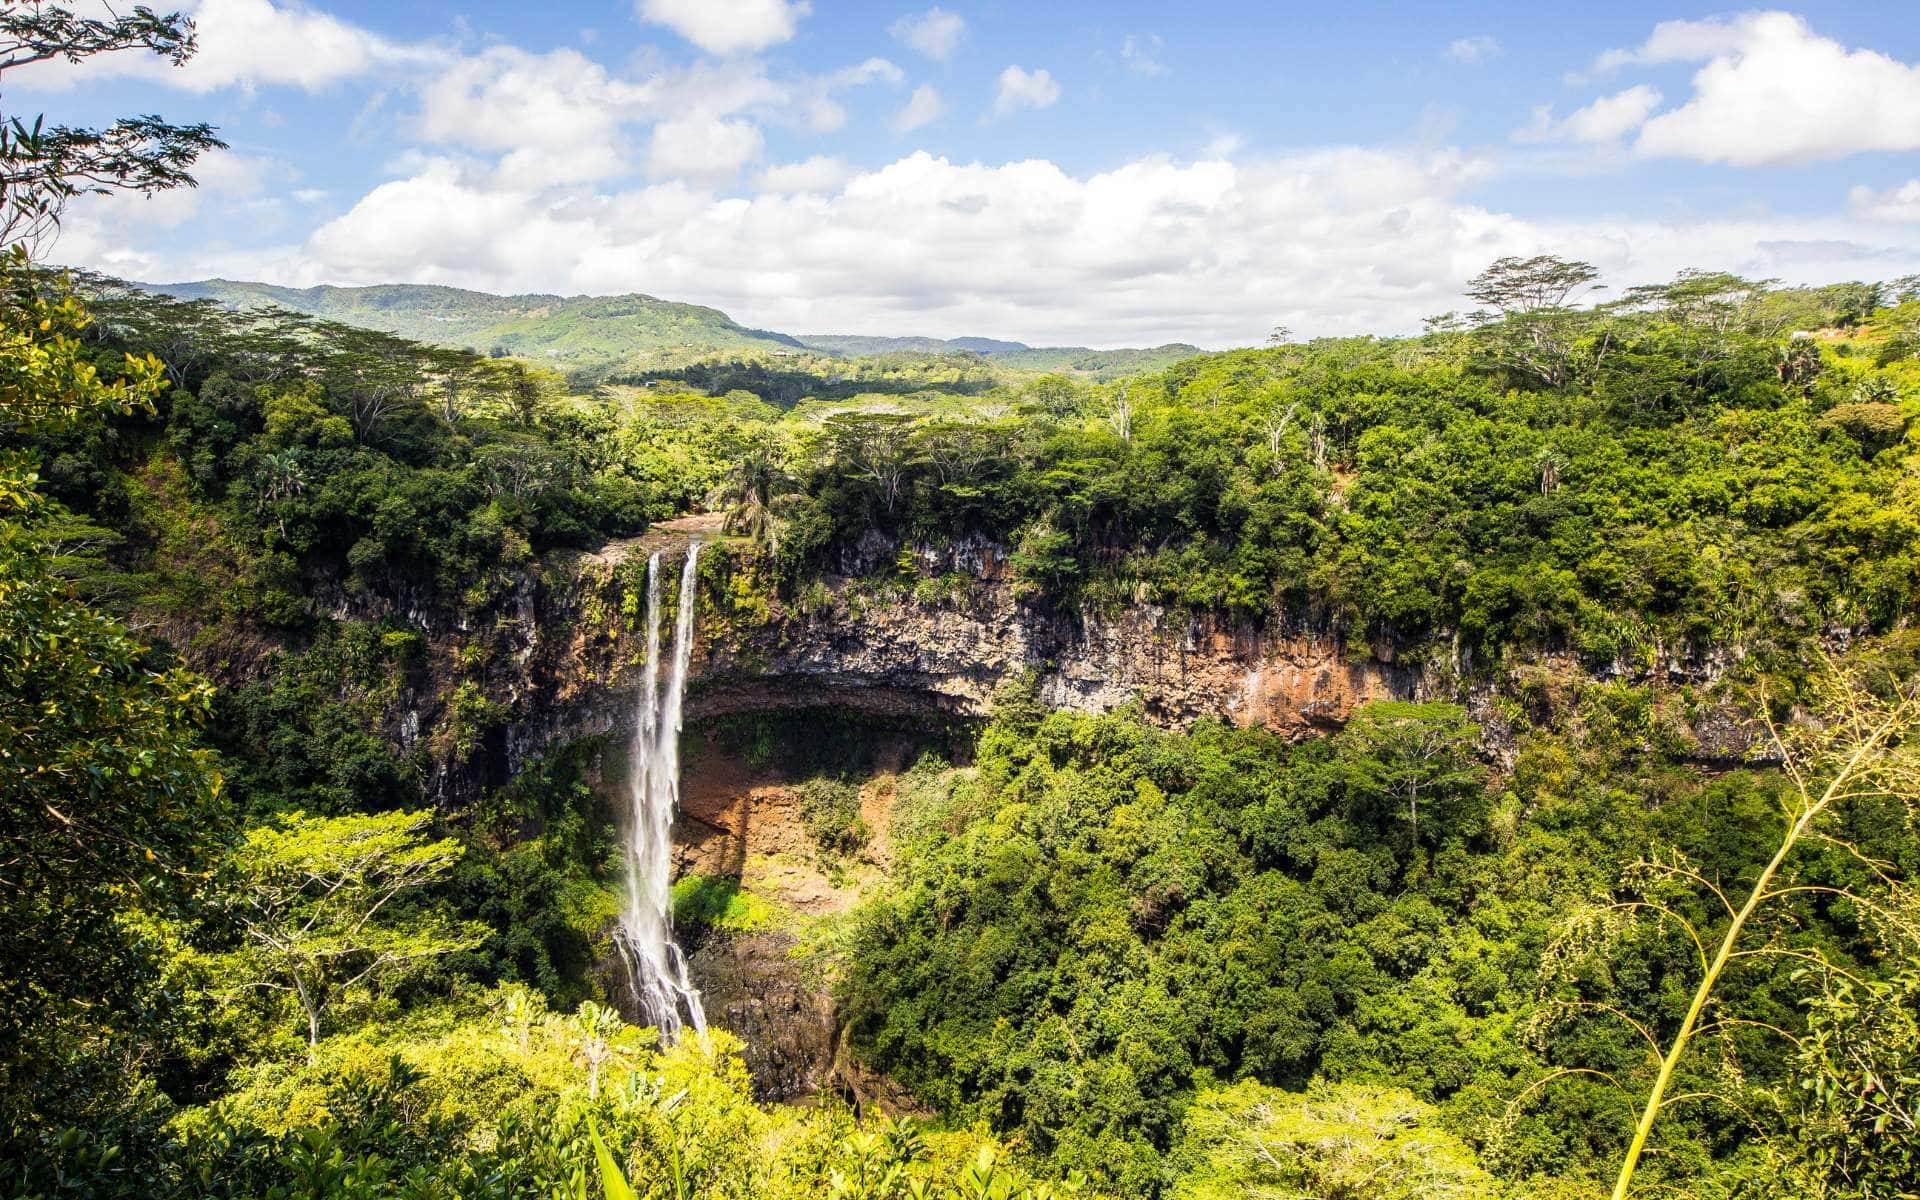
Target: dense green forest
x=1525, y=938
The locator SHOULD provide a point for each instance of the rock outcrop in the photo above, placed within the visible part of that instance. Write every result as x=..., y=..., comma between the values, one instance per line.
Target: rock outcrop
x=566, y=660
x=561, y=659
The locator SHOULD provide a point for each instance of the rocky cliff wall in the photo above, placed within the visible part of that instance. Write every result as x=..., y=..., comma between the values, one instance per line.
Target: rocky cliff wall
x=560, y=659
x=567, y=655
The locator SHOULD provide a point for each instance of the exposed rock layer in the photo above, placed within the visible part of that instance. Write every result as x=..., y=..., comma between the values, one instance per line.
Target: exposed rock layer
x=902, y=655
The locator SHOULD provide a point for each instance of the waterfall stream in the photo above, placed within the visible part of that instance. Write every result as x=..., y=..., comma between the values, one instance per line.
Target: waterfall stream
x=667, y=998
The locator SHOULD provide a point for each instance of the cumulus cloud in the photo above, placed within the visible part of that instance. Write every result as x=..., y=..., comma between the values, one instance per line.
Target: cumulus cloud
x=821, y=173
x=564, y=118
x=815, y=98
x=249, y=44
x=1020, y=88
x=922, y=108
x=935, y=33
x=1895, y=204
x=1774, y=92
x=114, y=233
x=1607, y=119
x=558, y=115
x=1473, y=50
x=727, y=26
x=1141, y=54
x=702, y=148
x=1334, y=241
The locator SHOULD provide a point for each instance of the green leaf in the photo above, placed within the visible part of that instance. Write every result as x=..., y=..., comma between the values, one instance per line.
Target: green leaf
x=613, y=1180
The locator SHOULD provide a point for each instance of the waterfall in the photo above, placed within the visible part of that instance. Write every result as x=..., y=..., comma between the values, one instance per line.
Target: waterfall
x=658, y=969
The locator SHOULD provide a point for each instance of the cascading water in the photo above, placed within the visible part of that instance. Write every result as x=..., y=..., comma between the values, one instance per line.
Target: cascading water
x=658, y=969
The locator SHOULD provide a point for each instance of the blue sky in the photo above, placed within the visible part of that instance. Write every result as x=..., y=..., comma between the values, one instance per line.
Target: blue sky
x=1111, y=173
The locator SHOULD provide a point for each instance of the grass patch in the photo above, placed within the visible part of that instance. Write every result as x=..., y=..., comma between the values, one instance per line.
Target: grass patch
x=717, y=902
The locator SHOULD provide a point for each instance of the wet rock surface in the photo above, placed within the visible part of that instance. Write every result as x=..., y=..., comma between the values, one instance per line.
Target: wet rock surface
x=752, y=987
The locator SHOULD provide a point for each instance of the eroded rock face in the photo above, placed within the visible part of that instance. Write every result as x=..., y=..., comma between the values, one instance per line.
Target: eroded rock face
x=895, y=651
x=574, y=655
x=953, y=656
x=565, y=656
x=752, y=988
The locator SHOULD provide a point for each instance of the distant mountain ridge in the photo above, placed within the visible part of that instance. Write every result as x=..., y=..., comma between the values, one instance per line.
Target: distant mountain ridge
x=569, y=331
x=591, y=333
x=856, y=344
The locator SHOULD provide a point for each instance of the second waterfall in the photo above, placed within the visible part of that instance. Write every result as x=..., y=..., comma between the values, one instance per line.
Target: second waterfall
x=668, y=1000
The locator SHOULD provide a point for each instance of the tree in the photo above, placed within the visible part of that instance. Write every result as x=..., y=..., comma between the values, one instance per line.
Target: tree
x=1518, y=286
x=758, y=479
x=105, y=793
x=1273, y=423
x=1333, y=1140
x=1528, y=325
x=328, y=903
x=1858, y=1128
x=378, y=375
x=523, y=389
x=43, y=167
x=1119, y=412
x=874, y=446
x=1405, y=753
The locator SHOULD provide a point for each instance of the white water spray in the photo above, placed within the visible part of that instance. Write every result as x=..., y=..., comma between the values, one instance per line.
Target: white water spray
x=654, y=961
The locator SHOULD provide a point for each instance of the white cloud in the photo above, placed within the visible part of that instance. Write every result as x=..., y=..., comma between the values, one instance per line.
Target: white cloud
x=557, y=116
x=1334, y=241
x=1020, y=88
x=817, y=174
x=1142, y=54
x=873, y=70
x=728, y=26
x=1224, y=145
x=815, y=99
x=1895, y=204
x=1607, y=119
x=702, y=148
x=561, y=117
x=249, y=44
x=923, y=107
x=1773, y=92
x=1473, y=50
x=935, y=33
x=106, y=233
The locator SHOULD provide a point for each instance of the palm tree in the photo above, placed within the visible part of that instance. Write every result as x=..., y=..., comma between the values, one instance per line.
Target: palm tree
x=756, y=483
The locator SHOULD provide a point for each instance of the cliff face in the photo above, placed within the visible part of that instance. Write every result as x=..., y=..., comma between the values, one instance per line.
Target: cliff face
x=568, y=656
x=560, y=660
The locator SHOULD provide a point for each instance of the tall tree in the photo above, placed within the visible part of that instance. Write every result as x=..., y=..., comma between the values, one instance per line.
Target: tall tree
x=1529, y=324
x=105, y=797
x=1398, y=756
x=330, y=903
x=43, y=166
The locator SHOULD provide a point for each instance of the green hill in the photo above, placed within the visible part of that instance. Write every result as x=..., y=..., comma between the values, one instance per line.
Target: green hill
x=571, y=332
x=597, y=335
x=854, y=345
x=1015, y=356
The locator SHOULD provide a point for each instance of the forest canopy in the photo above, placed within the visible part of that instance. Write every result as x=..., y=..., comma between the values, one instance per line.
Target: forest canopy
x=1520, y=935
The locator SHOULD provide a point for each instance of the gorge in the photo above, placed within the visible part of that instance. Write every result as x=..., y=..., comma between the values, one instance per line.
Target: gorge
x=459, y=746
x=1091, y=776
